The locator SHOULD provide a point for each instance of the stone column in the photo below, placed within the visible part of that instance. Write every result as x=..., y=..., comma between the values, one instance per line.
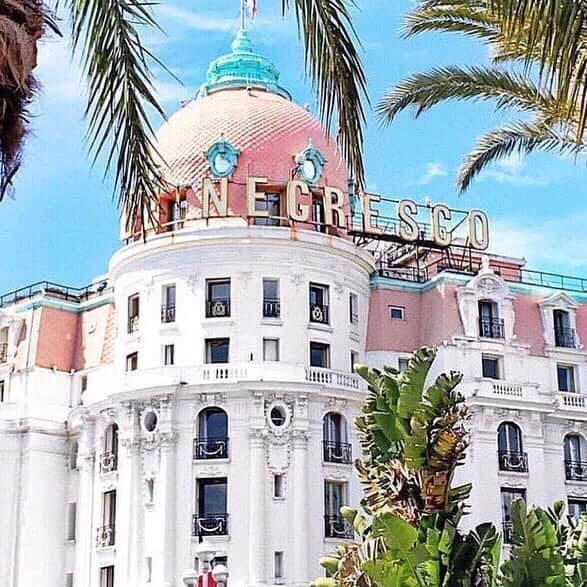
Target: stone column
x=300, y=527
x=126, y=498
x=166, y=500
x=85, y=535
x=257, y=526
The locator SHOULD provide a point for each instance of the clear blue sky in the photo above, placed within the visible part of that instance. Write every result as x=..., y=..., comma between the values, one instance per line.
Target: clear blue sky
x=63, y=226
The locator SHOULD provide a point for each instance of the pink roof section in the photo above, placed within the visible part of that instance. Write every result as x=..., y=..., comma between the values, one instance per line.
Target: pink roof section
x=58, y=339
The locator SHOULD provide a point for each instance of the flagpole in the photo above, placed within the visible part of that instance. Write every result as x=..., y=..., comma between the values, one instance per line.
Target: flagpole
x=243, y=19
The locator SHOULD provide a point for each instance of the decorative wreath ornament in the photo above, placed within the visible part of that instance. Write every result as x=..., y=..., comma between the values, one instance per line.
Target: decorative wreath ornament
x=317, y=314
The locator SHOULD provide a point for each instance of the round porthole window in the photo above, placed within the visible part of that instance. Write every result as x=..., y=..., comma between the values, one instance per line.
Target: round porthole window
x=278, y=416
x=150, y=421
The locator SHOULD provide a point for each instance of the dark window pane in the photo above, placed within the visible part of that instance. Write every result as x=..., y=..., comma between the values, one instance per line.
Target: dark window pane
x=217, y=350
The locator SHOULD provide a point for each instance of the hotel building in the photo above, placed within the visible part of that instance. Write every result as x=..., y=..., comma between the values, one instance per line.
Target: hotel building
x=203, y=389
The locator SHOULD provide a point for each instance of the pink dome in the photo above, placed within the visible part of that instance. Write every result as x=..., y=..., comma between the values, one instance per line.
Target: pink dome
x=267, y=129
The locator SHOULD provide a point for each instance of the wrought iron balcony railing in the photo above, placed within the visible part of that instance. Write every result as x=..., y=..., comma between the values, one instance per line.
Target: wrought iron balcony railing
x=210, y=525
x=508, y=532
x=491, y=328
x=271, y=308
x=133, y=324
x=218, y=308
x=167, y=314
x=105, y=536
x=210, y=448
x=565, y=337
x=513, y=461
x=3, y=352
x=319, y=313
x=108, y=462
x=337, y=452
x=576, y=470
x=335, y=526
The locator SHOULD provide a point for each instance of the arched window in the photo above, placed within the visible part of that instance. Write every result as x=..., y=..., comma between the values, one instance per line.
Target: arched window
x=490, y=324
x=335, y=440
x=212, y=440
x=109, y=459
x=509, y=446
x=575, y=459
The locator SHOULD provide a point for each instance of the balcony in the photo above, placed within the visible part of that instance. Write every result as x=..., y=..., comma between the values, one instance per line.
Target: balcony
x=3, y=352
x=218, y=308
x=210, y=525
x=571, y=401
x=167, y=314
x=337, y=452
x=576, y=470
x=105, y=536
x=565, y=338
x=337, y=527
x=210, y=448
x=319, y=314
x=224, y=373
x=513, y=461
x=108, y=462
x=271, y=308
x=491, y=328
x=133, y=324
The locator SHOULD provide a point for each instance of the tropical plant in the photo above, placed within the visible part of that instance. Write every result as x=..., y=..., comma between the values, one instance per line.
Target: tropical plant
x=538, y=66
x=106, y=35
x=413, y=438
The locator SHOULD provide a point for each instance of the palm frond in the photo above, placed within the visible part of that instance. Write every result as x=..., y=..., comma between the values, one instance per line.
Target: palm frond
x=335, y=68
x=422, y=91
x=521, y=137
x=555, y=31
x=120, y=92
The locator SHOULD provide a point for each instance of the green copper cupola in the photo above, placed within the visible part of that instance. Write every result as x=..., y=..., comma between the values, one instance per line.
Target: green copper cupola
x=242, y=68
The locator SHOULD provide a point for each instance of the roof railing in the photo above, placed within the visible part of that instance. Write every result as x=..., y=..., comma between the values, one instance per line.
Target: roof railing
x=54, y=290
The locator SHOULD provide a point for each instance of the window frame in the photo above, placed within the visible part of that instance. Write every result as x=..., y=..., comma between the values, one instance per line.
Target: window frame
x=169, y=353
x=132, y=362
x=133, y=313
x=402, y=311
x=213, y=299
x=573, y=377
x=325, y=348
x=208, y=342
x=275, y=340
x=498, y=366
x=353, y=308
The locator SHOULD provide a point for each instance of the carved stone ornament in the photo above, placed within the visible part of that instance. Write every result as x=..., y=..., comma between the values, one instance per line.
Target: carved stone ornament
x=297, y=279
x=193, y=282
x=245, y=277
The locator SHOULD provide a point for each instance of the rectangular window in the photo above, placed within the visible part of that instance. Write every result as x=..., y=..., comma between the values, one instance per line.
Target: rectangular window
x=577, y=507
x=217, y=350
x=271, y=349
x=168, y=304
x=132, y=362
x=335, y=496
x=211, y=507
x=109, y=508
x=402, y=364
x=177, y=212
x=69, y=580
x=150, y=489
x=278, y=486
x=353, y=308
x=71, y=520
x=278, y=564
x=133, y=313
x=217, y=298
x=3, y=344
x=319, y=355
x=354, y=360
x=396, y=312
x=271, y=303
x=319, y=310
x=169, y=354
x=148, y=569
x=2, y=391
x=491, y=367
x=566, y=378
x=318, y=214
x=107, y=576
x=490, y=324
x=508, y=496
x=272, y=205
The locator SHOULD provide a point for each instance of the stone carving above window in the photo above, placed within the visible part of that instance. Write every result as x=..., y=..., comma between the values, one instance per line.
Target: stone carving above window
x=486, y=286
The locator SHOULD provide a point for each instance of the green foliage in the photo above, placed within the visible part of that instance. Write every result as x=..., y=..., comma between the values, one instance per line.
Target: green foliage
x=408, y=535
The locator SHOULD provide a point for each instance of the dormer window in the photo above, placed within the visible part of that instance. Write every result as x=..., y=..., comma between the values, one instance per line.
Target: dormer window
x=490, y=324
x=564, y=334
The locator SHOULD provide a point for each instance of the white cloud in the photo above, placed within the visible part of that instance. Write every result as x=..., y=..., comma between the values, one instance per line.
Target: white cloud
x=433, y=169
x=510, y=170
x=197, y=20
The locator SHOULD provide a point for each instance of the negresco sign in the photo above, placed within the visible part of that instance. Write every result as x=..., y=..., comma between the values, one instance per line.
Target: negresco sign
x=405, y=224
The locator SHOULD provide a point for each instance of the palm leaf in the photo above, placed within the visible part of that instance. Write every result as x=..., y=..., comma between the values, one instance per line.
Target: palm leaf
x=120, y=92
x=334, y=66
